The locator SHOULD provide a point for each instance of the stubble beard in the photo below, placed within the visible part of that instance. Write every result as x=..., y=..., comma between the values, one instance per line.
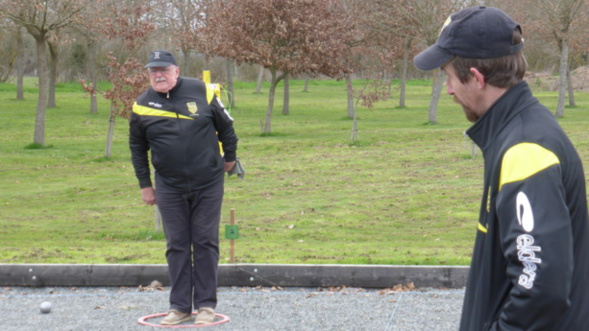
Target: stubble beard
x=471, y=116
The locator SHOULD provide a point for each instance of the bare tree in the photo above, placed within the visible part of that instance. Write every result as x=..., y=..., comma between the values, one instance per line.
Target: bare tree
x=90, y=27
x=184, y=21
x=371, y=56
x=40, y=18
x=421, y=20
x=562, y=14
x=383, y=21
x=284, y=36
x=562, y=21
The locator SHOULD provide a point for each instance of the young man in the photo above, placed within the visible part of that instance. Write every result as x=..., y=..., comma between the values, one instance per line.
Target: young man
x=530, y=265
x=181, y=121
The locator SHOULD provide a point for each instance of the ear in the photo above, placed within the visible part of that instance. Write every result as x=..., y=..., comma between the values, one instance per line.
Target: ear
x=480, y=78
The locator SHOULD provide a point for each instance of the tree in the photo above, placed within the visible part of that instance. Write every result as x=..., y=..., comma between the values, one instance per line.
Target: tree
x=382, y=21
x=12, y=55
x=184, y=20
x=561, y=21
x=372, y=64
x=284, y=36
x=371, y=56
x=40, y=18
x=9, y=54
x=422, y=19
x=91, y=29
x=129, y=78
x=370, y=92
x=561, y=15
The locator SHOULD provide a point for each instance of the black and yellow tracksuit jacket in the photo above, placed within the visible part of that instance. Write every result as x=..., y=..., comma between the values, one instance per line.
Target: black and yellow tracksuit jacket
x=530, y=265
x=182, y=128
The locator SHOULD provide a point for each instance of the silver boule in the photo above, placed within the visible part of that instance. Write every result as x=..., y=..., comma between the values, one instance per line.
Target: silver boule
x=45, y=307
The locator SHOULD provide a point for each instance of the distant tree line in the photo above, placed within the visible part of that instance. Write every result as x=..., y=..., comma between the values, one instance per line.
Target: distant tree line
x=366, y=43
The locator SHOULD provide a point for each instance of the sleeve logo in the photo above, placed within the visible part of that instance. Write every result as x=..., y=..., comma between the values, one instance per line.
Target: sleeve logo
x=526, y=251
x=525, y=217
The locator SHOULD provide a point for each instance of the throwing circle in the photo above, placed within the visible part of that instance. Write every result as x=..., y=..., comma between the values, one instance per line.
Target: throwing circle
x=143, y=321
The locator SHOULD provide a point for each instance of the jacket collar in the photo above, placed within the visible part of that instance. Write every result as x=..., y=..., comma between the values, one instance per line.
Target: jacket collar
x=175, y=88
x=511, y=103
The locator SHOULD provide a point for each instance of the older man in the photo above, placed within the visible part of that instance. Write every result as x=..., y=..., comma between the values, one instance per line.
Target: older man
x=181, y=122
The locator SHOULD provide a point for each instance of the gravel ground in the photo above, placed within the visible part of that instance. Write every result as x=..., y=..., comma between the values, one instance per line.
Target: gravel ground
x=120, y=308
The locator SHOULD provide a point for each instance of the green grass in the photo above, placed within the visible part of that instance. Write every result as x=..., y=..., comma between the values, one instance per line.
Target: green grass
x=407, y=193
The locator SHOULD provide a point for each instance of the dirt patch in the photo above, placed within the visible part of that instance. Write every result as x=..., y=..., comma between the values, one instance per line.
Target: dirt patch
x=547, y=81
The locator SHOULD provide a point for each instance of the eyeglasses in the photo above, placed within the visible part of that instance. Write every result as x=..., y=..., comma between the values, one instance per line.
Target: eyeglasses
x=164, y=71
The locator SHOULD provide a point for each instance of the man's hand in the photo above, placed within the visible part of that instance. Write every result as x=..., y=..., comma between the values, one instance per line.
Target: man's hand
x=148, y=195
x=229, y=166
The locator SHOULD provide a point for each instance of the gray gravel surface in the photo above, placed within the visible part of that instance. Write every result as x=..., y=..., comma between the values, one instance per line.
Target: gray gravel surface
x=116, y=308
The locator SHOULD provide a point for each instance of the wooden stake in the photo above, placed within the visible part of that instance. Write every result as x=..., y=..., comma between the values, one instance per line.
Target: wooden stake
x=232, y=241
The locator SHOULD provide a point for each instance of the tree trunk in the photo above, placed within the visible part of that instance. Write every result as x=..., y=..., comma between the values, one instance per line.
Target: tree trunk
x=260, y=77
x=571, y=88
x=404, y=72
x=270, y=102
x=306, y=89
x=438, y=82
x=230, y=76
x=275, y=80
x=564, y=54
x=350, y=90
x=111, y=129
x=20, y=65
x=185, y=67
x=355, y=134
x=286, y=97
x=39, y=136
x=52, y=75
x=91, y=66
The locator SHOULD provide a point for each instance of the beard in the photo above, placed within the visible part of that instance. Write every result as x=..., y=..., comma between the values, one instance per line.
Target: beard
x=471, y=115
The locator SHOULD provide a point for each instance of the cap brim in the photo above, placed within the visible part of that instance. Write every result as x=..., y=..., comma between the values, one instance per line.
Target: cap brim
x=431, y=58
x=157, y=65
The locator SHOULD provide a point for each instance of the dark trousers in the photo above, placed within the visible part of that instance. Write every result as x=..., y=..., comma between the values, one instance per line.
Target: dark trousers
x=191, y=224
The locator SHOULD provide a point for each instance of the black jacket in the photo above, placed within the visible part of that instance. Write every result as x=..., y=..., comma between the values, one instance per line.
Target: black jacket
x=182, y=128
x=530, y=265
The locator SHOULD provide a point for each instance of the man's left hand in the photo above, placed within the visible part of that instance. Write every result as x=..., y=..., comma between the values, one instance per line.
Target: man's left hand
x=229, y=166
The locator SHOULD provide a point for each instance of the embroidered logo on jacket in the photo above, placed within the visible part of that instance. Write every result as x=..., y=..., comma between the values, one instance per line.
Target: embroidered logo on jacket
x=526, y=251
x=192, y=108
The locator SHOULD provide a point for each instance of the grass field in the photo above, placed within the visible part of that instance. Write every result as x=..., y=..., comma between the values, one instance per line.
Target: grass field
x=407, y=193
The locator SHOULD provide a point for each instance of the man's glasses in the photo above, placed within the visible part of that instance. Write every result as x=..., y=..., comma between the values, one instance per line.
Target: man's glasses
x=153, y=71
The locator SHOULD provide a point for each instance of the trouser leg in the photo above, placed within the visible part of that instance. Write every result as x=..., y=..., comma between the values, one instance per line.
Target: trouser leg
x=205, y=215
x=175, y=211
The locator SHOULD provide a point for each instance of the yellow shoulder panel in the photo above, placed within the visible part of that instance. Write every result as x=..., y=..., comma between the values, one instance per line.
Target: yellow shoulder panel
x=147, y=111
x=523, y=161
x=212, y=90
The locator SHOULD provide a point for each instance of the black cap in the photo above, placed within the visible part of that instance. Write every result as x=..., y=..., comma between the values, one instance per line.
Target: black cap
x=476, y=33
x=160, y=59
